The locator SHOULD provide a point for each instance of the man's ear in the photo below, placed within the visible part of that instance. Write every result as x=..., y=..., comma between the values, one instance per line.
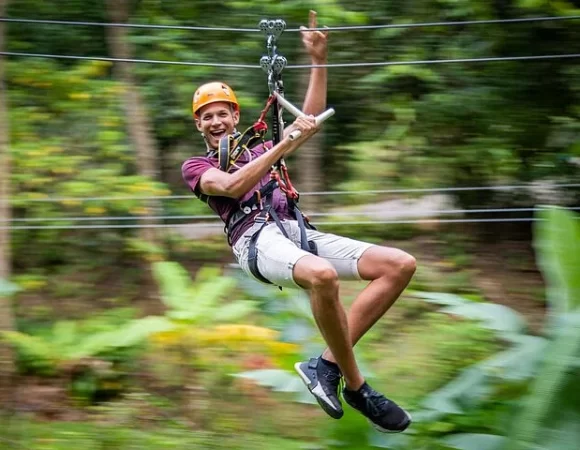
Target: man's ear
x=198, y=124
x=236, y=116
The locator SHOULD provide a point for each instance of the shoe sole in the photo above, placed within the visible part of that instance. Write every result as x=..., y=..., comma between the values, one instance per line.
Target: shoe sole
x=325, y=406
x=385, y=430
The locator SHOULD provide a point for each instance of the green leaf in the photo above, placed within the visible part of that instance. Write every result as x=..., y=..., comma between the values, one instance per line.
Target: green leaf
x=210, y=291
x=231, y=312
x=187, y=316
x=389, y=441
x=495, y=317
x=519, y=362
x=32, y=346
x=558, y=359
x=64, y=333
x=139, y=330
x=91, y=346
x=7, y=289
x=474, y=441
x=557, y=246
x=468, y=388
x=174, y=284
x=297, y=331
x=300, y=305
x=439, y=298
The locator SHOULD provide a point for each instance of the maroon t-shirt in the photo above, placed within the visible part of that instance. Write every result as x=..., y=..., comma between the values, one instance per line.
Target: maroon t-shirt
x=195, y=167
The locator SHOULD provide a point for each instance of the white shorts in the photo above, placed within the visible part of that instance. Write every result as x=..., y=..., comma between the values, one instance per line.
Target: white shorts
x=277, y=254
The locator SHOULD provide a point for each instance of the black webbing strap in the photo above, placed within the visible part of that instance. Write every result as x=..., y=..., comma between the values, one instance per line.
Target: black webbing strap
x=231, y=147
x=224, y=152
x=259, y=196
x=255, y=202
x=305, y=244
x=253, y=249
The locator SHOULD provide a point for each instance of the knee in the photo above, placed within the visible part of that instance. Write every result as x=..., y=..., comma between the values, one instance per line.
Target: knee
x=407, y=265
x=403, y=266
x=322, y=276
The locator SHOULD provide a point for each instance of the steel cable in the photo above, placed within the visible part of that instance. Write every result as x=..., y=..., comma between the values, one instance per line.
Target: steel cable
x=432, y=213
x=298, y=66
x=331, y=28
x=219, y=224
x=315, y=193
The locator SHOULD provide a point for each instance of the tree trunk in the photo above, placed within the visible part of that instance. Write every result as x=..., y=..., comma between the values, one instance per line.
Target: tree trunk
x=139, y=127
x=6, y=316
x=309, y=158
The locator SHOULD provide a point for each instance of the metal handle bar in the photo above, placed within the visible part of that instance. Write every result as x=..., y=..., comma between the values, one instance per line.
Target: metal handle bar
x=297, y=113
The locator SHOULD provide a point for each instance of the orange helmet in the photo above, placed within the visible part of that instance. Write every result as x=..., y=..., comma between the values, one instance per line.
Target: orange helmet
x=213, y=92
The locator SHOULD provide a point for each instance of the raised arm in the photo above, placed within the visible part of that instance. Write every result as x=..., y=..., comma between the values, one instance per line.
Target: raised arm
x=315, y=44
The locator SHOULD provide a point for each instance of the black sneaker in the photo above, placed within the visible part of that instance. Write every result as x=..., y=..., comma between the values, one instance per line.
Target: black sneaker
x=384, y=414
x=323, y=382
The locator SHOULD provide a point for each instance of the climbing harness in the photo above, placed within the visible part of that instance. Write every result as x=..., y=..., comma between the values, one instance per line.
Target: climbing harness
x=273, y=64
x=231, y=147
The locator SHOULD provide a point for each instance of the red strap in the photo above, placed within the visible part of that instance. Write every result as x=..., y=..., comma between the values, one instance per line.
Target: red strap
x=285, y=183
x=290, y=191
x=269, y=103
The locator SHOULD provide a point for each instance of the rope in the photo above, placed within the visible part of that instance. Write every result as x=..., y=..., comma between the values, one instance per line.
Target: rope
x=337, y=28
x=359, y=192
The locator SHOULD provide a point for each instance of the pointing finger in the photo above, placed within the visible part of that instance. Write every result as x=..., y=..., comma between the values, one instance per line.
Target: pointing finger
x=312, y=19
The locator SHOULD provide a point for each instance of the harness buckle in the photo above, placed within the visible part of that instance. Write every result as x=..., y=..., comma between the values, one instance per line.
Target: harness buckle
x=262, y=218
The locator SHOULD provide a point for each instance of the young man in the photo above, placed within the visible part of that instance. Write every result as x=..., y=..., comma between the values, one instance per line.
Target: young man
x=278, y=252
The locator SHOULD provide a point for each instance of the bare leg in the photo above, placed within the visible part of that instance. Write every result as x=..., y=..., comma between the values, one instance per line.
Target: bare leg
x=390, y=271
x=321, y=280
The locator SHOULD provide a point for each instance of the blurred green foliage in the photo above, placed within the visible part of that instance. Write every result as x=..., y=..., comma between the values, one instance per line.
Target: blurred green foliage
x=461, y=124
x=159, y=377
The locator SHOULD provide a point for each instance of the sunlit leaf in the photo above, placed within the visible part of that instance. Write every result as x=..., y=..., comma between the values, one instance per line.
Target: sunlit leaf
x=230, y=312
x=496, y=317
x=139, y=330
x=439, y=298
x=474, y=441
x=7, y=289
x=34, y=347
x=557, y=245
x=174, y=284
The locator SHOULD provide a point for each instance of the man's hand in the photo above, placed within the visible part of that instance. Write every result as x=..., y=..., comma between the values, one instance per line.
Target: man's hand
x=307, y=127
x=315, y=42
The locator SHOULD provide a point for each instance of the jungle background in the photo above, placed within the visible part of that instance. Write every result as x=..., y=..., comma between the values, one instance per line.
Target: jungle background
x=124, y=323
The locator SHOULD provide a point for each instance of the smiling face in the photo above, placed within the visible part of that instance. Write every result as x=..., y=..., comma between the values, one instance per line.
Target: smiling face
x=217, y=120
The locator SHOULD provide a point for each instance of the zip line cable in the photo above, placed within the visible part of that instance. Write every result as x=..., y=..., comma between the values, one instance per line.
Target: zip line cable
x=127, y=60
x=335, y=28
x=220, y=224
x=132, y=25
x=435, y=213
x=298, y=66
x=316, y=193
x=437, y=61
x=440, y=24
x=250, y=66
